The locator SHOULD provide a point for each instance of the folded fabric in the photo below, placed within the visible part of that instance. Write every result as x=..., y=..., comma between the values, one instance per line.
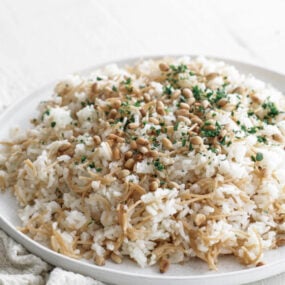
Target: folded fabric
x=18, y=267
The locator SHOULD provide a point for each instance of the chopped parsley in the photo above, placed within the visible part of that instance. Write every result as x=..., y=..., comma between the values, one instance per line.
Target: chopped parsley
x=197, y=92
x=261, y=139
x=53, y=124
x=99, y=78
x=181, y=68
x=271, y=108
x=211, y=133
x=91, y=165
x=137, y=104
x=158, y=165
x=176, y=126
x=83, y=159
x=257, y=157
x=167, y=89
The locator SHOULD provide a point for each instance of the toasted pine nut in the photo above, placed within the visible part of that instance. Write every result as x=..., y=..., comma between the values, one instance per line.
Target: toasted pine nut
x=184, y=119
x=116, y=153
x=128, y=154
x=142, y=141
x=163, y=67
x=196, y=120
x=175, y=94
x=130, y=163
x=238, y=90
x=160, y=108
x=116, y=258
x=133, y=126
x=154, y=120
x=167, y=143
x=222, y=102
x=133, y=145
x=196, y=140
x=143, y=149
x=113, y=113
x=210, y=127
x=123, y=173
x=115, y=102
x=182, y=112
x=97, y=140
x=99, y=260
x=187, y=93
x=191, y=101
x=205, y=104
x=164, y=265
x=146, y=97
x=116, y=138
x=211, y=76
x=173, y=184
x=153, y=153
x=277, y=138
x=153, y=186
x=94, y=87
x=184, y=106
x=255, y=98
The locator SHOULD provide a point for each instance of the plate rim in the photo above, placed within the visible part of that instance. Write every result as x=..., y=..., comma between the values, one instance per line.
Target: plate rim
x=29, y=243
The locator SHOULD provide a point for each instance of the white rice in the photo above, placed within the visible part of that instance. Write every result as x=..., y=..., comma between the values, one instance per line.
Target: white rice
x=89, y=194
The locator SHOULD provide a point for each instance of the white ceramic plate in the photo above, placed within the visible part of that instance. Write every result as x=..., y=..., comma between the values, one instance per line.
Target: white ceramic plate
x=128, y=273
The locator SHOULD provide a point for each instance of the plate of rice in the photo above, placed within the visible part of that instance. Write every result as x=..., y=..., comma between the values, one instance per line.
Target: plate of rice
x=154, y=171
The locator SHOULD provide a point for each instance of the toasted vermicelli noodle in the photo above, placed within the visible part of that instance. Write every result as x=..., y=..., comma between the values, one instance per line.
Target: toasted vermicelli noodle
x=160, y=162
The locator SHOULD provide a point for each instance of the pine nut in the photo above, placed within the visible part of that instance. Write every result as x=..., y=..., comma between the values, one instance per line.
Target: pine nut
x=160, y=108
x=153, y=186
x=211, y=76
x=94, y=87
x=113, y=113
x=184, y=106
x=130, y=163
x=187, y=93
x=196, y=140
x=143, y=149
x=222, y=102
x=116, y=153
x=146, y=97
x=205, y=104
x=97, y=140
x=184, y=119
x=133, y=145
x=122, y=173
x=116, y=138
x=142, y=141
x=133, y=126
x=116, y=258
x=154, y=121
x=163, y=67
x=191, y=101
x=99, y=260
x=167, y=143
x=128, y=154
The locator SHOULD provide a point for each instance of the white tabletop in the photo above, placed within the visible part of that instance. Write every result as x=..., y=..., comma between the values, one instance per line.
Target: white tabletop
x=43, y=40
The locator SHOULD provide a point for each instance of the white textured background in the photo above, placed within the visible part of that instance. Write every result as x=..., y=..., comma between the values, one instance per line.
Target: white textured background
x=43, y=40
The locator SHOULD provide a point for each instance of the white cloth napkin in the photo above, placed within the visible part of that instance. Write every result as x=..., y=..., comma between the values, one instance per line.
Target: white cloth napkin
x=18, y=267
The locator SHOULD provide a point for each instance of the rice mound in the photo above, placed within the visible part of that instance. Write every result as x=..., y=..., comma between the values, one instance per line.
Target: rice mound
x=160, y=162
